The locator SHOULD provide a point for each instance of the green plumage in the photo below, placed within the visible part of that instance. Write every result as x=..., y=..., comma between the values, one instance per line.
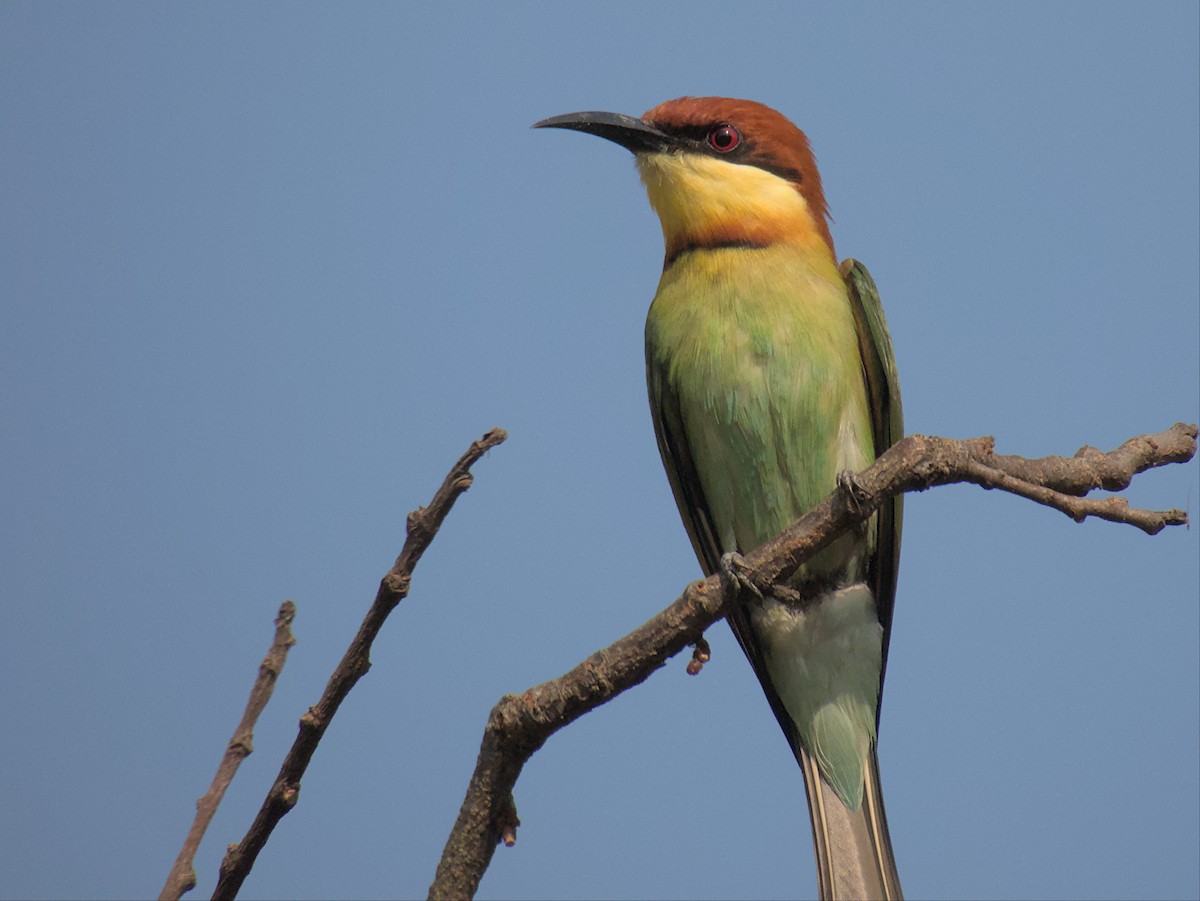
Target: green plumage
x=771, y=373
x=767, y=379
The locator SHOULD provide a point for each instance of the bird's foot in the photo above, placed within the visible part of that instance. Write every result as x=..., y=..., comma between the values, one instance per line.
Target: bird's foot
x=736, y=571
x=852, y=490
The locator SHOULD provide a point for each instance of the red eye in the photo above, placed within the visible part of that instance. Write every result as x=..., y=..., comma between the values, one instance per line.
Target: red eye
x=724, y=138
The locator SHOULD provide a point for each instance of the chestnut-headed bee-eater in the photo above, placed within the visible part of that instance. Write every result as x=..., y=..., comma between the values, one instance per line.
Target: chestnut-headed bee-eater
x=771, y=374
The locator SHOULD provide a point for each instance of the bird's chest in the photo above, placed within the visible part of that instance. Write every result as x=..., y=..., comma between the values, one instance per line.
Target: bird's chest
x=762, y=358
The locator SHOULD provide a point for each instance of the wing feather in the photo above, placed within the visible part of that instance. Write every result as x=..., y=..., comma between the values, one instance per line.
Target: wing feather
x=887, y=424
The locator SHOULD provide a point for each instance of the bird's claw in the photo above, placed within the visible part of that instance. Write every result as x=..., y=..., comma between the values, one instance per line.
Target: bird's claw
x=852, y=490
x=736, y=571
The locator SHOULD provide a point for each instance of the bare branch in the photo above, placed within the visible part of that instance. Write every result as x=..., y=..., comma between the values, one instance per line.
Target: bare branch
x=1091, y=468
x=182, y=878
x=423, y=525
x=520, y=724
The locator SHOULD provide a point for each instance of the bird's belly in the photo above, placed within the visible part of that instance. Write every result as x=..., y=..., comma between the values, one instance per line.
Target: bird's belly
x=764, y=458
x=824, y=658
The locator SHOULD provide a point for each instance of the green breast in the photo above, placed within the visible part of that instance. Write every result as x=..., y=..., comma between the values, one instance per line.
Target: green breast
x=759, y=348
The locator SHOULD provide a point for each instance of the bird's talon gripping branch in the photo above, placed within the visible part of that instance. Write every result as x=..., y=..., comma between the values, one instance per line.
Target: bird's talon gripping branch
x=851, y=490
x=736, y=571
x=701, y=654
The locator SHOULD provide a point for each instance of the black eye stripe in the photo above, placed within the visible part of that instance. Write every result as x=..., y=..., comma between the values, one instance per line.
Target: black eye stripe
x=770, y=164
x=745, y=153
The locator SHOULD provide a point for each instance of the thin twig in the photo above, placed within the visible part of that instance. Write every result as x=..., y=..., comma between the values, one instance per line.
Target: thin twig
x=182, y=878
x=423, y=525
x=520, y=724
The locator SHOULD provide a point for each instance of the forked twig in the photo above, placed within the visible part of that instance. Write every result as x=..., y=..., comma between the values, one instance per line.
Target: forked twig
x=423, y=525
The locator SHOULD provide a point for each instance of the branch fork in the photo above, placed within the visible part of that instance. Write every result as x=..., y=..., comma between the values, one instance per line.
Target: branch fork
x=519, y=725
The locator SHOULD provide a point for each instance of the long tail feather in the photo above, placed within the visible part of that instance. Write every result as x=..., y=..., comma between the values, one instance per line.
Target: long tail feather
x=854, y=850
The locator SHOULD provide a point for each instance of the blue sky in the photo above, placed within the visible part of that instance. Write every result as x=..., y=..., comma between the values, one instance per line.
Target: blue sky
x=267, y=270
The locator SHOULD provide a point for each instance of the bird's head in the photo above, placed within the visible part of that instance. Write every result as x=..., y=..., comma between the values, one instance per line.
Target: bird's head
x=719, y=171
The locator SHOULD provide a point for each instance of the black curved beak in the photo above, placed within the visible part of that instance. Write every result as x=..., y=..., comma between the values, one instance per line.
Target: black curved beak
x=633, y=134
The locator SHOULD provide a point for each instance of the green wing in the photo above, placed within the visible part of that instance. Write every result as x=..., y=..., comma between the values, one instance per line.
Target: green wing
x=887, y=423
x=676, y=453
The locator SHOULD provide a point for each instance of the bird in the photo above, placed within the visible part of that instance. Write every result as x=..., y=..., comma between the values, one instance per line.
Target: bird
x=772, y=380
